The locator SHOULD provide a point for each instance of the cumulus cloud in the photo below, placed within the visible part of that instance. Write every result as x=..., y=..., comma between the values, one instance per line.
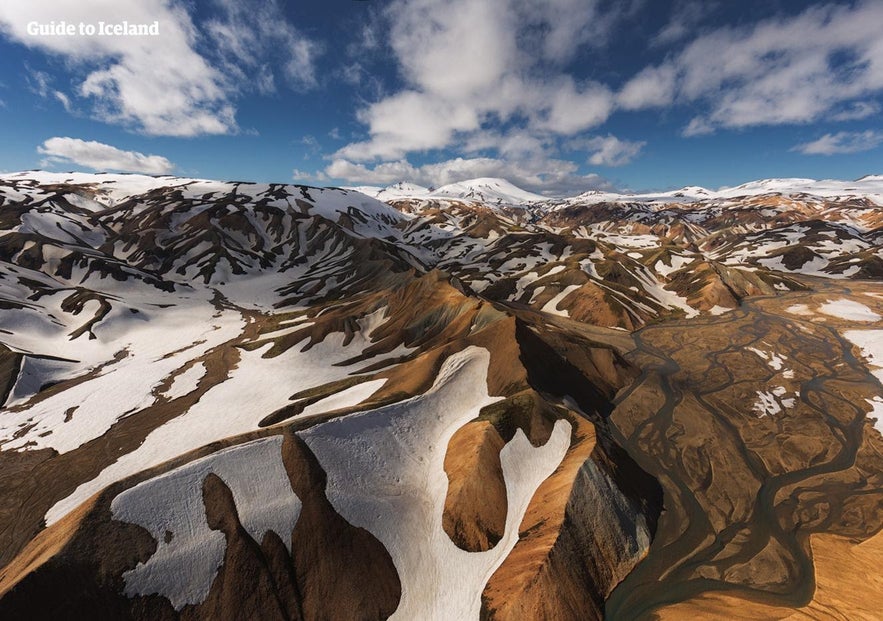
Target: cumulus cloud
x=786, y=70
x=842, y=142
x=100, y=156
x=306, y=177
x=162, y=85
x=508, y=68
x=573, y=108
x=611, y=151
x=652, y=87
x=410, y=121
x=159, y=84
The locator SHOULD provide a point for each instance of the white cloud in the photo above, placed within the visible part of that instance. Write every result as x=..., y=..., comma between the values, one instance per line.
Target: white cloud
x=253, y=37
x=40, y=83
x=410, y=121
x=842, y=142
x=452, y=49
x=64, y=99
x=100, y=156
x=799, y=69
x=158, y=84
x=698, y=126
x=685, y=19
x=652, y=87
x=611, y=151
x=573, y=109
x=161, y=85
x=388, y=172
x=471, y=65
x=303, y=176
x=856, y=111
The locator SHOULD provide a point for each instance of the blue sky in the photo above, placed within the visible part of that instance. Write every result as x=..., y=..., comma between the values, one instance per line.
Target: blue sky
x=557, y=96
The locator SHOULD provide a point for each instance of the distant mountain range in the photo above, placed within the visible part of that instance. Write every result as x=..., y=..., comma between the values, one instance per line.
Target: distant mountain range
x=486, y=190
x=500, y=191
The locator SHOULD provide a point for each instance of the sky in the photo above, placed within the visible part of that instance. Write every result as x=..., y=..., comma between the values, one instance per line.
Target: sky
x=558, y=97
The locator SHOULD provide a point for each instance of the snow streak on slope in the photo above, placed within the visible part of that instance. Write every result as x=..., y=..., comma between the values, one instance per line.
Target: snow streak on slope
x=130, y=356
x=233, y=406
x=386, y=474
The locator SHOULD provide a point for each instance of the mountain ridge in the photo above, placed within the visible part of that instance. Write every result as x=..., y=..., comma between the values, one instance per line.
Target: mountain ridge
x=503, y=192
x=498, y=190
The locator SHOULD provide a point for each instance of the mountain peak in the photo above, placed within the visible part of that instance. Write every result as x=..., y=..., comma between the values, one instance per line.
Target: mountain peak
x=489, y=189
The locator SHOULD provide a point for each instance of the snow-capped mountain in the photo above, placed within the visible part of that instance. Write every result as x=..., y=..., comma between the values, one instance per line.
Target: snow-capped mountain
x=488, y=190
x=471, y=402
x=484, y=190
x=394, y=191
x=869, y=187
x=499, y=192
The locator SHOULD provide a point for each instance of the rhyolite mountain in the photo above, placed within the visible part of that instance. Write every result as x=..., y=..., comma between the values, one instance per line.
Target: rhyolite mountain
x=235, y=400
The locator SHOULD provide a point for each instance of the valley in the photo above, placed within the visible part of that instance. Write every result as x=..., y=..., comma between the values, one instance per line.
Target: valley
x=749, y=479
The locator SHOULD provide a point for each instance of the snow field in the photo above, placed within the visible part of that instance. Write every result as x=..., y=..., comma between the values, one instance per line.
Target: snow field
x=233, y=407
x=121, y=388
x=386, y=474
x=870, y=342
x=170, y=507
x=848, y=309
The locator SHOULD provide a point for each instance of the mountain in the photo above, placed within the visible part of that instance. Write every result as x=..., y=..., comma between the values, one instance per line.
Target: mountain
x=869, y=187
x=485, y=190
x=396, y=190
x=278, y=401
x=489, y=190
x=500, y=192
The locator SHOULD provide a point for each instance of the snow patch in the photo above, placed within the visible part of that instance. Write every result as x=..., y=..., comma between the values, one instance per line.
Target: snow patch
x=871, y=344
x=876, y=412
x=849, y=310
x=772, y=402
x=170, y=507
x=774, y=360
x=552, y=305
x=186, y=382
x=799, y=309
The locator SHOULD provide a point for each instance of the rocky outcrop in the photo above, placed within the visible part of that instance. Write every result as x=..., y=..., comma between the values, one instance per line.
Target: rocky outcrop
x=580, y=538
x=84, y=566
